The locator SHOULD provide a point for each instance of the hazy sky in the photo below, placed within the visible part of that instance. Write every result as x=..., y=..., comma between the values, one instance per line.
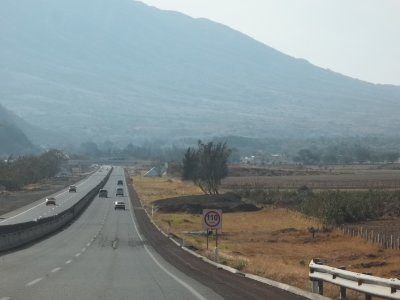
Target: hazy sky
x=358, y=38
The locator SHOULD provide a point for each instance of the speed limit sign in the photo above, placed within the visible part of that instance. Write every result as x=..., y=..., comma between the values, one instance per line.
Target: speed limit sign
x=212, y=219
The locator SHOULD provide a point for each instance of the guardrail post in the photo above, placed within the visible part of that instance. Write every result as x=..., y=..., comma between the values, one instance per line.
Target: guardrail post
x=342, y=290
x=342, y=293
x=317, y=287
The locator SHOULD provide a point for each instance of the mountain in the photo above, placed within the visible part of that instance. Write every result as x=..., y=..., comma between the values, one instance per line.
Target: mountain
x=112, y=70
x=13, y=139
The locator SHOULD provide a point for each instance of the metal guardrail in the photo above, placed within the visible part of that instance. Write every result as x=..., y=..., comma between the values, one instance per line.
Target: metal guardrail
x=360, y=282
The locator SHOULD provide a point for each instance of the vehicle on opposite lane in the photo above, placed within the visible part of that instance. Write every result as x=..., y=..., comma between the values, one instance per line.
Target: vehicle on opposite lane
x=50, y=201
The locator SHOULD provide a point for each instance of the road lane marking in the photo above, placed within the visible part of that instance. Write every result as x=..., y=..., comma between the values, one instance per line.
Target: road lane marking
x=68, y=262
x=78, y=254
x=88, y=244
x=33, y=282
x=55, y=270
x=5, y=298
x=180, y=281
x=83, y=249
x=57, y=195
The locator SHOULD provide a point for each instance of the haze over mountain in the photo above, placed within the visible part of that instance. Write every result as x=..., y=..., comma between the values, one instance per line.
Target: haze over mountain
x=13, y=139
x=111, y=70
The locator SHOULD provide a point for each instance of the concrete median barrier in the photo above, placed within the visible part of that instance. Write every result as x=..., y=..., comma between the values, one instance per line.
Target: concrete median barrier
x=16, y=235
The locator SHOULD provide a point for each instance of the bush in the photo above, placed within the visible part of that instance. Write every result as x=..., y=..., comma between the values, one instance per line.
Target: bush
x=336, y=207
x=29, y=169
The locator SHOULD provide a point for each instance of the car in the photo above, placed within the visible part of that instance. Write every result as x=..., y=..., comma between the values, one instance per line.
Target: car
x=72, y=188
x=103, y=193
x=50, y=201
x=119, y=205
x=119, y=192
x=120, y=182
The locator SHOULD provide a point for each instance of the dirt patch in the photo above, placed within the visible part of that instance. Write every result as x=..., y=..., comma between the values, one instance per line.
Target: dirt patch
x=195, y=204
x=370, y=264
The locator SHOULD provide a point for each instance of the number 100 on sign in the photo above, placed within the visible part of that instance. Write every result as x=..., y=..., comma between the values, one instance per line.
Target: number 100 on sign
x=212, y=219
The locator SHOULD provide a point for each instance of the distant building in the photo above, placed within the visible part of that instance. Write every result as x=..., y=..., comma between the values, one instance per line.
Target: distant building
x=157, y=171
x=250, y=160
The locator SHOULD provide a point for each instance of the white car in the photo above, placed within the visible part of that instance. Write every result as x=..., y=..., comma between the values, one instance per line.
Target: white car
x=51, y=201
x=119, y=205
x=72, y=188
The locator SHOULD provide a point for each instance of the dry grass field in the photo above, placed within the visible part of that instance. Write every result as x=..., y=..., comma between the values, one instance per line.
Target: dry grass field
x=274, y=243
x=335, y=177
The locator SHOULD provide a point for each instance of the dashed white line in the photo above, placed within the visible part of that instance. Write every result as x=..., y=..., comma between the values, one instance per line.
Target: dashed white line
x=33, y=282
x=55, y=270
x=78, y=254
x=83, y=249
x=68, y=262
x=87, y=245
x=180, y=281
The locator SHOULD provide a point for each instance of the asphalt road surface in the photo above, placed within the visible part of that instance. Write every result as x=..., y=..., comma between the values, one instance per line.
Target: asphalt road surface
x=118, y=254
x=64, y=200
x=101, y=255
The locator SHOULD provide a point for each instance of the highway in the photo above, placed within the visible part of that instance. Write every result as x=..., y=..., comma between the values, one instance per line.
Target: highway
x=101, y=255
x=118, y=254
x=64, y=200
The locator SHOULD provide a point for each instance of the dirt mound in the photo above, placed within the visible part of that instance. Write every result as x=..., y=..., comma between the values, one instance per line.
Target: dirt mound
x=195, y=204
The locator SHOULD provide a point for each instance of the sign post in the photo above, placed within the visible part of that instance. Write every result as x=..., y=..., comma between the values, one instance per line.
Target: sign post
x=212, y=219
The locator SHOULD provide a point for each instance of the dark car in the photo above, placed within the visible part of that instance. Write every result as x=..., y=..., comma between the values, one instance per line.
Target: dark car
x=72, y=188
x=120, y=182
x=119, y=192
x=103, y=194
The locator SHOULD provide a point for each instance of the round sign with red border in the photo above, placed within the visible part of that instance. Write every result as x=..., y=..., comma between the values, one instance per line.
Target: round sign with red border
x=212, y=218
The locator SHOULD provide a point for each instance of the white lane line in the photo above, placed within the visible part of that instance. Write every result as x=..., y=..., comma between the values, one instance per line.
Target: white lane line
x=55, y=270
x=88, y=244
x=68, y=262
x=78, y=254
x=21, y=213
x=57, y=195
x=180, y=281
x=83, y=249
x=33, y=282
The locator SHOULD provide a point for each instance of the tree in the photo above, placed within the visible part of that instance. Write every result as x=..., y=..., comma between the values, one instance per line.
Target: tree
x=206, y=166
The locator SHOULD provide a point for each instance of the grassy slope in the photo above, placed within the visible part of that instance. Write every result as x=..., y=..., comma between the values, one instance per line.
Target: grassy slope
x=274, y=243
